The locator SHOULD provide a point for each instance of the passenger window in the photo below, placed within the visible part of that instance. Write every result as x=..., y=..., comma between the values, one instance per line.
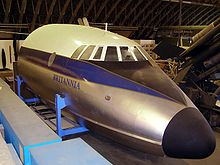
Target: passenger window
x=126, y=54
x=138, y=54
x=87, y=53
x=78, y=51
x=111, y=54
x=98, y=53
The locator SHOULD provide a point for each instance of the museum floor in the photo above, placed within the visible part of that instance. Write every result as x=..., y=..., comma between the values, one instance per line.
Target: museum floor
x=118, y=155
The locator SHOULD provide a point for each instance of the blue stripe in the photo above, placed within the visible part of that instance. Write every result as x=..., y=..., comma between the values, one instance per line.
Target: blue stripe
x=90, y=72
x=98, y=75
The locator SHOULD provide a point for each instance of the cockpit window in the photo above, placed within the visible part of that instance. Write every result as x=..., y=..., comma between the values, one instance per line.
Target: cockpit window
x=126, y=54
x=138, y=54
x=98, y=53
x=111, y=54
x=78, y=51
x=86, y=54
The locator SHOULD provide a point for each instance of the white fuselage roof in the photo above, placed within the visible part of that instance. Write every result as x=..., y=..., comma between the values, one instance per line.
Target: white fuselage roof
x=64, y=39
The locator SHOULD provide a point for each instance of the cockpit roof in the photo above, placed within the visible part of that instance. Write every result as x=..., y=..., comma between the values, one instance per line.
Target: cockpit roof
x=64, y=39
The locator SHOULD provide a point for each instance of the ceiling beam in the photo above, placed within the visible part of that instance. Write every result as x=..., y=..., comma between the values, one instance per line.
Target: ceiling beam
x=111, y=10
x=174, y=17
x=141, y=12
x=216, y=16
x=198, y=21
x=173, y=8
x=131, y=11
x=121, y=11
x=100, y=10
x=208, y=18
x=190, y=15
x=192, y=3
x=183, y=27
x=66, y=5
x=198, y=14
x=50, y=12
x=90, y=8
x=184, y=14
x=46, y=5
x=3, y=5
x=74, y=13
x=36, y=12
x=146, y=16
x=22, y=11
x=7, y=11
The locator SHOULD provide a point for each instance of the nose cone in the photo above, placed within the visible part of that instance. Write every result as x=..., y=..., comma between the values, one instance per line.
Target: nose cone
x=188, y=135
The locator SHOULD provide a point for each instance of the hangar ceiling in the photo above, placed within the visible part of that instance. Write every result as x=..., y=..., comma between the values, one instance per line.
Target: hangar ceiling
x=146, y=17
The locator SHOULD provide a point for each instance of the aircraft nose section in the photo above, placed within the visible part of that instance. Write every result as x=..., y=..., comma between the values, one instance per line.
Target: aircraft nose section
x=188, y=135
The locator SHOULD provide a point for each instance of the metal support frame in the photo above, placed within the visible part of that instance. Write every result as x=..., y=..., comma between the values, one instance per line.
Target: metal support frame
x=130, y=12
x=141, y=12
x=104, y=4
x=111, y=10
x=159, y=19
x=60, y=104
x=62, y=13
x=75, y=11
x=197, y=16
x=90, y=8
x=7, y=11
x=205, y=15
x=50, y=12
x=29, y=100
x=121, y=11
x=210, y=18
x=145, y=18
x=173, y=20
x=36, y=13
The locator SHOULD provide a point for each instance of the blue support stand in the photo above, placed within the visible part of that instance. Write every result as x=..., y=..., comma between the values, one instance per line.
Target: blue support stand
x=29, y=100
x=60, y=104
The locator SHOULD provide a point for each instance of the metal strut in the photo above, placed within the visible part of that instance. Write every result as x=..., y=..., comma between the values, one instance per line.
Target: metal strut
x=60, y=104
x=26, y=100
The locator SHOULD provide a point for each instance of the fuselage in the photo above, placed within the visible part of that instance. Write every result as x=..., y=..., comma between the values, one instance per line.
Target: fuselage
x=112, y=86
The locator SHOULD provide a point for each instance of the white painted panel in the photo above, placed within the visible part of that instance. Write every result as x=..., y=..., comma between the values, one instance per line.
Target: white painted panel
x=5, y=155
x=7, y=45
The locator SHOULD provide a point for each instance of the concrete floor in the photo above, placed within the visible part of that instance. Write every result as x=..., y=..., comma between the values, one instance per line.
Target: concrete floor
x=119, y=155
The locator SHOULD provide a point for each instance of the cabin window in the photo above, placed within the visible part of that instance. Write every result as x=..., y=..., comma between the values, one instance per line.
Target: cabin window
x=87, y=53
x=126, y=54
x=138, y=54
x=78, y=51
x=98, y=53
x=111, y=54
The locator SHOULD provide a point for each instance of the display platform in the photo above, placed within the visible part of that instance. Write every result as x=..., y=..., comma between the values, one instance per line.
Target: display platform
x=74, y=151
x=22, y=127
x=31, y=137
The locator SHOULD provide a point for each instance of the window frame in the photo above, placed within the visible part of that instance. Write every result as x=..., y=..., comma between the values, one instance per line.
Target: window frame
x=94, y=52
x=79, y=53
x=142, y=52
x=116, y=51
x=119, y=53
x=82, y=52
x=135, y=58
x=129, y=49
x=104, y=51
